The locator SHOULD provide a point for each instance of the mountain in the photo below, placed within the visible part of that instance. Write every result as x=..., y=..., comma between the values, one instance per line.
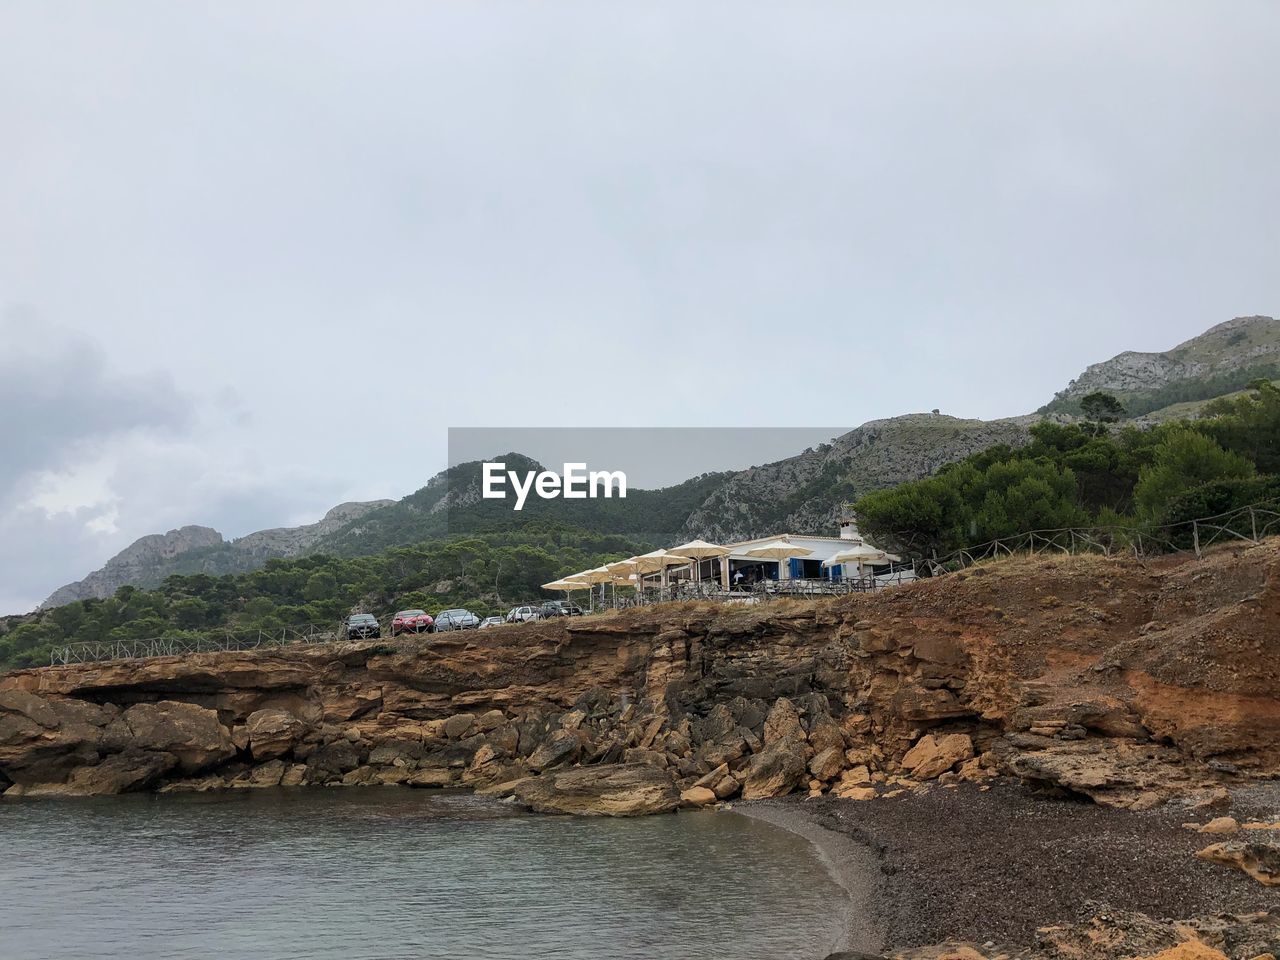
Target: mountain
x=1223, y=359
x=800, y=493
x=192, y=549
x=804, y=493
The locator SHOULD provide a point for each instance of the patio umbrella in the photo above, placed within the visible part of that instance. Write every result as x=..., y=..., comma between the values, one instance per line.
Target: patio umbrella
x=595, y=575
x=622, y=572
x=590, y=578
x=859, y=554
x=700, y=550
x=778, y=550
x=659, y=560
x=565, y=585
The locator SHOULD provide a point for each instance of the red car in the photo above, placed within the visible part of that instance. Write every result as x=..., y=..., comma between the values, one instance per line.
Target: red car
x=412, y=621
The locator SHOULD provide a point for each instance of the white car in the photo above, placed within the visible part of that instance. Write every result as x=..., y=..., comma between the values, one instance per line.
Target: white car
x=523, y=614
x=491, y=622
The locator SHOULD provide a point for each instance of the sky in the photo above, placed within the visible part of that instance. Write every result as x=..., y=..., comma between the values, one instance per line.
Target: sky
x=257, y=258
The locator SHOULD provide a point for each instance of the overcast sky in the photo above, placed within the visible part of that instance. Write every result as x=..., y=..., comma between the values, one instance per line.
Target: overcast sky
x=255, y=258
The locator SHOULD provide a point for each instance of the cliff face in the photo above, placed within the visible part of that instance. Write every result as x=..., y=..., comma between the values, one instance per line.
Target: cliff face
x=1242, y=344
x=136, y=563
x=804, y=492
x=1121, y=681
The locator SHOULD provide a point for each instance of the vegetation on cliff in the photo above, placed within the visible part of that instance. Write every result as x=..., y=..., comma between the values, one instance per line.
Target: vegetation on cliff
x=1075, y=475
x=486, y=572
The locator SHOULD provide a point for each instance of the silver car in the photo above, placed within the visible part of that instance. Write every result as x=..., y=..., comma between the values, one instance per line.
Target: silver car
x=456, y=620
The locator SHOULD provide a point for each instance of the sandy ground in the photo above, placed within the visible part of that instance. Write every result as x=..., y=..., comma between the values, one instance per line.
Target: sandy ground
x=994, y=866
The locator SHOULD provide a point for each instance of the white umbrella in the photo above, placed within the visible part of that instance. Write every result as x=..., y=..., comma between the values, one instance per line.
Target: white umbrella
x=594, y=575
x=565, y=585
x=700, y=550
x=859, y=554
x=590, y=578
x=659, y=560
x=777, y=550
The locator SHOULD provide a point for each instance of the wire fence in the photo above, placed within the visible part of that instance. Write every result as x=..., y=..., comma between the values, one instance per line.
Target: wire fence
x=93, y=651
x=1245, y=525
x=1248, y=524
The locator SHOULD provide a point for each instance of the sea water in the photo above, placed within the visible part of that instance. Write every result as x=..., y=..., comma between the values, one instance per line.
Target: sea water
x=396, y=873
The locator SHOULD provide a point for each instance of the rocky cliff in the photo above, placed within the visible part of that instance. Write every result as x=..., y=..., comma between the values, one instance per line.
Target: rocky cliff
x=148, y=560
x=135, y=563
x=1223, y=358
x=805, y=492
x=1120, y=681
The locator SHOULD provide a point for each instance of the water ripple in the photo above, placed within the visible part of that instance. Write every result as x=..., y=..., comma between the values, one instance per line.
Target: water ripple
x=369, y=874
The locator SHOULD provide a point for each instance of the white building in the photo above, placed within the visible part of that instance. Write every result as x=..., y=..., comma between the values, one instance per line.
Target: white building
x=744, y=569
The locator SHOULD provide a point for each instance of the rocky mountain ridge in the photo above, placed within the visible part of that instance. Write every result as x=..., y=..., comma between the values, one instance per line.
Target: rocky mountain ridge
x=1220, y=360
x=146, y=561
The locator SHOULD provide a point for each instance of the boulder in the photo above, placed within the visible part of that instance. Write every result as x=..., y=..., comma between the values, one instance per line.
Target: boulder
x=332, y=761
x=697, y=797
x=121, y=773
x=1116, y=773
x=783, y=723
x=396, y=752
x=613, y=790
x=459, y=725
x=856, y=776
x=852, y=791
x=1222, y=825
x=934, y=755
x=827, y=764
x=775, y=771
x=1260, y=859
x=190, y=733
x=273, y=733
x=559, y=748
x=269, y=774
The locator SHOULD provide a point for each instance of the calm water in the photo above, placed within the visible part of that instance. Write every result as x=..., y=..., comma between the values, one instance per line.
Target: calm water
x=383, y=873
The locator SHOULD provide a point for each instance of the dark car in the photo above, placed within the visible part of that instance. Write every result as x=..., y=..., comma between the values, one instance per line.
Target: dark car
x=560, y=608
x=457, y=620
x=361, y=626
x=412, y=621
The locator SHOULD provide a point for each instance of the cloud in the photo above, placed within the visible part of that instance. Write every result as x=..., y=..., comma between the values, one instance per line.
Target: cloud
x=96, y=457
x=62, y=404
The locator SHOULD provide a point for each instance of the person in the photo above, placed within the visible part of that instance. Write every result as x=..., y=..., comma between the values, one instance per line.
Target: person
x=737, y=579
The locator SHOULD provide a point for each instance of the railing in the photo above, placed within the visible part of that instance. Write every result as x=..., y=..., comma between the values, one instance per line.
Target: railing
x=98, y=650
x=1243, y=525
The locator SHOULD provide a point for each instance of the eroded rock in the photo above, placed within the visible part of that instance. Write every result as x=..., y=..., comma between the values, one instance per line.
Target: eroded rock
x=611, y=790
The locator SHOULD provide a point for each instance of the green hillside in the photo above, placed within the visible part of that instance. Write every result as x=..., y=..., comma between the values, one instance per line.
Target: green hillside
x=487, y=573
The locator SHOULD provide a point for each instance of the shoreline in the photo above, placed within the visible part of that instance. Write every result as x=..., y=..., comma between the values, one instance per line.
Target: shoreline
x=995, y=867
x=853, y=865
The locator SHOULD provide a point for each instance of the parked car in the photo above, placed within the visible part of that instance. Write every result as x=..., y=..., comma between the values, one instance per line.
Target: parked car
x=412, y=621
x=560, y=608
x=524, y=614
x=491, y=622
x=361, y=626
x=456, y=620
